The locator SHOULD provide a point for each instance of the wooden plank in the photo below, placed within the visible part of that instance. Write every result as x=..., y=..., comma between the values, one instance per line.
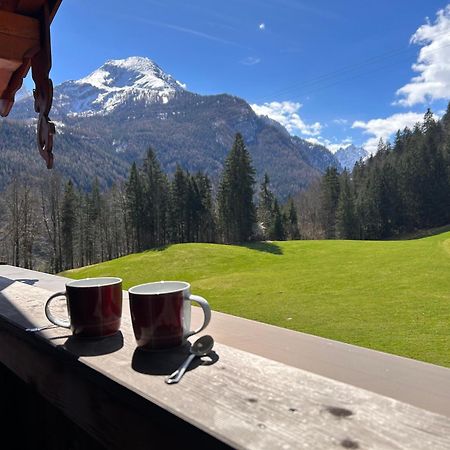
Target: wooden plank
x=107, y=411
x=19, y=25
x=7, y=97
x=244, y=400
x=5, y=106
x=49, y=430
x=15, y=52
x=5, y=76
x=33, y=7
x=20, y=40
x=17, y=48
x=30, y=7
x=10, y=65
x=8, y=5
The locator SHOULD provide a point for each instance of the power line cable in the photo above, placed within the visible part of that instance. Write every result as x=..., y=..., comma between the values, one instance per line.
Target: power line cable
x=331, y=76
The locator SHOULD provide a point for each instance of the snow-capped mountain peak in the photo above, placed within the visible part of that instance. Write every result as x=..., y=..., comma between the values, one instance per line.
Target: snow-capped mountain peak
x=347, y=156
x=114, y=83
x=134, y=72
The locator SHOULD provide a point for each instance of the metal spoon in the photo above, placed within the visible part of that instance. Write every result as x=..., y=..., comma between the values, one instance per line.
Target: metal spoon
x=201, y=347
x=36, y=329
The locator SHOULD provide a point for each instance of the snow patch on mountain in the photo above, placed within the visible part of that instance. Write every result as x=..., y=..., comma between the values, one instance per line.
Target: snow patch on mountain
x=136, y=79
x=347, y=156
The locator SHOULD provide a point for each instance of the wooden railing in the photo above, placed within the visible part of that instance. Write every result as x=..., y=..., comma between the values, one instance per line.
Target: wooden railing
x=117, y=395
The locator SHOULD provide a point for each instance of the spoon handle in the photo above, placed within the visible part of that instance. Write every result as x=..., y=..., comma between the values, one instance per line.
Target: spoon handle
x=36, y=329
x=175, y=377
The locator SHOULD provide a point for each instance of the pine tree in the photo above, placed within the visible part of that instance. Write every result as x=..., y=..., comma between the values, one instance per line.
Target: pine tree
x=179, y=213
x=292, y=221
x=194, y=209
x=266, y=206
x=155, y=201
x=134, y=203
x=435, y=193
x=329, y=200
x=369, y=207
x=277, y=231
x=446, y=146
x=410, y=168
x=237, y=215
x=203, y=219
x=346, y=222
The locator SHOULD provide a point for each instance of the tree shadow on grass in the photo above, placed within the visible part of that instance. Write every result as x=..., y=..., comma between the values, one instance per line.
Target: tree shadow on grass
x=264, y=246
x=260, y=246
x=419, y=234
x=162, y=248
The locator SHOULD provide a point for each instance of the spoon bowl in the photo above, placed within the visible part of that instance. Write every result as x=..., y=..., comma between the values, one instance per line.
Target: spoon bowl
x=201, y=347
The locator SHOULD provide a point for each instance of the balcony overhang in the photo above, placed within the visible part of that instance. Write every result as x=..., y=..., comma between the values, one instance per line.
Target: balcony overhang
x=25, y=44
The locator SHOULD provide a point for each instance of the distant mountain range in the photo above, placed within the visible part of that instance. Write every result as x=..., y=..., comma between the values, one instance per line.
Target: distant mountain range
x=347, y=156
x=108, y=119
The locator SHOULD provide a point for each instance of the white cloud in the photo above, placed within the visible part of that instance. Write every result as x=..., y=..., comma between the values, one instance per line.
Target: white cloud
x=433, y=63
x=286, y=113
x=385, y=128
x=250, y=60
x=262, y=26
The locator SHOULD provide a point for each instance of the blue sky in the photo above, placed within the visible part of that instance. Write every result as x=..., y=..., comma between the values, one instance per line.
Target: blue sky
x=330, y=71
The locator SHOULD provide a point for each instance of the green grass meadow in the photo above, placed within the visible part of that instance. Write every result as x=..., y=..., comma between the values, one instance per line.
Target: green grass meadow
x=392, y=296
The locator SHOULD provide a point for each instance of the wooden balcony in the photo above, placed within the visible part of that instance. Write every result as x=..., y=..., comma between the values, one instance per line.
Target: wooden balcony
x=264, y=387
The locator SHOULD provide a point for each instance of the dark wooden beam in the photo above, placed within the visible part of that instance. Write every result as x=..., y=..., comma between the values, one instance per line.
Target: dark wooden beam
x=25, y=42
x=19, y=41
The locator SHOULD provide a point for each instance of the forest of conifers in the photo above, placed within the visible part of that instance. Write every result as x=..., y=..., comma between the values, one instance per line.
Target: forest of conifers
x=53, y=226
x=405, y=186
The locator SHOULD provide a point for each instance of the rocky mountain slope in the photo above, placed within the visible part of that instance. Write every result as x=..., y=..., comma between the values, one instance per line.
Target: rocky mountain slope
x=109, y=118
x=347, y=156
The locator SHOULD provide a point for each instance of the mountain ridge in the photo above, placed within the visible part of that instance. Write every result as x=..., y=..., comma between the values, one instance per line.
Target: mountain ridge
x=126, y=106
x=349, y=155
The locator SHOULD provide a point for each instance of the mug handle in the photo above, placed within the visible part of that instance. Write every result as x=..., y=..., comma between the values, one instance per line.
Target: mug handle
x=206, y=311
x=59, y=322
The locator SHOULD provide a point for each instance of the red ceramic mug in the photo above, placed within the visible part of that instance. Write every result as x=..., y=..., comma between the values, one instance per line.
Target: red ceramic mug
x=94, y=306
x=161, y=314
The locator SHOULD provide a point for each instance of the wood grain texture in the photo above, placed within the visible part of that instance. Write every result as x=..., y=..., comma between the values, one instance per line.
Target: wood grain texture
x=29, y=6
x=17, y=48
x=7, y=66
x=242, y=399
x=33, y=7
x=19, y=25
x=8, y=5
x=5, y=76
x=20, y=40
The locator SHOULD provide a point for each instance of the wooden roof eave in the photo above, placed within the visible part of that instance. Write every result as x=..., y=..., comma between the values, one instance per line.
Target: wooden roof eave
x=25, y=43
x=20, y=40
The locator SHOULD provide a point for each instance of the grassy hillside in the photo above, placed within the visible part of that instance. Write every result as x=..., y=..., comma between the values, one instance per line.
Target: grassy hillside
x=392, y=296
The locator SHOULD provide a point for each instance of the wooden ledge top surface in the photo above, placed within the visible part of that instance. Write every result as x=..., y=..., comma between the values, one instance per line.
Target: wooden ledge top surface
x=242, y=399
